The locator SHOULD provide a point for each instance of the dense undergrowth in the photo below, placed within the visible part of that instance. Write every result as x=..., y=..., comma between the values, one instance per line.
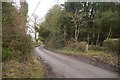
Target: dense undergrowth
x=17, y=45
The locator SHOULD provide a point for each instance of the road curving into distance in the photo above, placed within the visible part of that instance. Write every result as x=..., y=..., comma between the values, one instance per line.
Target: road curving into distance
x=68, y=67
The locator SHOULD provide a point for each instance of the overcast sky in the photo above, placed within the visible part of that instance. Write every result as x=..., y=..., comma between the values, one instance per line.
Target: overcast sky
x=43, y=7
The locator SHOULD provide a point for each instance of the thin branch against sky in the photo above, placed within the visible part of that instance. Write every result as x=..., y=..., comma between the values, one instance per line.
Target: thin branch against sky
x=40, y=8
x=43, y=7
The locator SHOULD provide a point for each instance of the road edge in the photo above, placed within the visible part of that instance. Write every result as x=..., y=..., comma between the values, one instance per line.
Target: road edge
x=95, y=62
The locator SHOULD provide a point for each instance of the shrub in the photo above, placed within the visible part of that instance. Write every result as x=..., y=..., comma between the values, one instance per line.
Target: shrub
x=6, y=54
x=79, y=46
x=82, y=46
x=111, y=45
x=70, y=45
x=21, y=46
x=55, y=41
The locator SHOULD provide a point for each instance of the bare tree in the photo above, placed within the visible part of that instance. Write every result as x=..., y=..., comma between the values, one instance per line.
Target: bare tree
x=34, y=26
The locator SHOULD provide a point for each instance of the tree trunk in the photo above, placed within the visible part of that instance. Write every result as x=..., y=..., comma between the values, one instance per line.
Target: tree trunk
x=76, y=33
x=35, y=37
x=109, y=33
x=88, y=39
x=65, y=33
x=98, y=36
x=93, y=35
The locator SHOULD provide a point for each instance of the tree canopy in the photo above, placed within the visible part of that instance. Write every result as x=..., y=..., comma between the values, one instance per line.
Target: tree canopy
x=80, y=21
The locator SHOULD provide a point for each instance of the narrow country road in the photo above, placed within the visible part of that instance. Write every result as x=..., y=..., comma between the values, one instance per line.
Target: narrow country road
x=72, y=68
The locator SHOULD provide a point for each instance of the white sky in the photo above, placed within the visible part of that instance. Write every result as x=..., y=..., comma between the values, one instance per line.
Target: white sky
x=43, y=7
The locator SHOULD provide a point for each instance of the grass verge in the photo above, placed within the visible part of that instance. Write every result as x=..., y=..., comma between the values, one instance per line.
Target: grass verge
x=28, y=69
x=108, y=58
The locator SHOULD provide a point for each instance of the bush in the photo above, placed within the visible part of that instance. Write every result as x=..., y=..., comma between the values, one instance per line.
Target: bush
x=79, y=46
x=21, y=46
x=70, y=45
x=111, y=45
x=6, y=54
x=55, y=41
x=82, y=46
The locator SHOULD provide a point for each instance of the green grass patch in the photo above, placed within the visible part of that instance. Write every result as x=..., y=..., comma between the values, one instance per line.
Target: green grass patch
x=101, y=55
x=68, y=51
x=73, y=52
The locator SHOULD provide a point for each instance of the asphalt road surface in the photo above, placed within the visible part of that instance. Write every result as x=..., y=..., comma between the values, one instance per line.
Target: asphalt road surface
x=68, y=67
